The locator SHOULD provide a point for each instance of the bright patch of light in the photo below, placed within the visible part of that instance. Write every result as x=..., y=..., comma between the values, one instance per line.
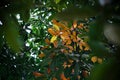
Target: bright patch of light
x=44, y=27
x=14, y=57
x=43, y=15
x=41, y=60
x=50, y=23
x=47, y=17
x=49, y=14
x=31, y=39
x=67, y=2
x=18, y=16
x=42, y=11
x=44, y=3
x=33, y=55
x=38, y=48
x=15, y=66
x=6, y=6
x=30, y=26
x=27, y=44
x=1, y=23
x=28, y=31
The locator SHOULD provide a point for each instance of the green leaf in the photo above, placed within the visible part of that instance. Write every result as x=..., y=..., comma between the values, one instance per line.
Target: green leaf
x=25, y=15
x=109, y=70
x=1, y=38
x=11, y=34
x=75, y=13
x=56, y=1
x=99, y=49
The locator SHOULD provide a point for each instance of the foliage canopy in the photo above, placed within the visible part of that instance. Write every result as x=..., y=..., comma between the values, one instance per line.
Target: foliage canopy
x=59, y=40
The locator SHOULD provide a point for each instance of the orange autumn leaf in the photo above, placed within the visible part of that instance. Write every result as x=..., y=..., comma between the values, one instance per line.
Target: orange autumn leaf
x=44, y=47
x=51, y=31
x=84, y=44
x=55, y=43
x=68, y=78
x=63, y=26
x=74, y=39
x=78, y=77
x=48, y=70
x=54, y=21
x=54, y=78
x=37, y=74
x=41, y=55
x=70, y=47
x=80, y=26
x=80, y=46
x=59, y=24
x=62, y=76
x=70, y=61
x=94, y=59
x=68, y=42
x=64, y=35
x=74, y=24
x=64, y=51
x=47, y=41
x=74, y=33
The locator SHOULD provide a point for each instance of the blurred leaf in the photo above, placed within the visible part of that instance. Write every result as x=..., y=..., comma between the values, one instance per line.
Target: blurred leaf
x=74, y=13
x=57, y=1
x=25, y=15
x=12, y=34
x=108, y=70
x=99, y=49
x=62, y=76
x=94, y=59
x=1, y=38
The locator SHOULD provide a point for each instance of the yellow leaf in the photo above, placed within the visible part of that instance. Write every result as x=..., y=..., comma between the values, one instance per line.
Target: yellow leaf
x=53, y=39
x=99, y=60
x=56, y=27
x=56, y=1
x=94, y=59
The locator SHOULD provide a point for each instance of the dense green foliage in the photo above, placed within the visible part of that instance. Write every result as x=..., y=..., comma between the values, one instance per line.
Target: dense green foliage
x=24, y=27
